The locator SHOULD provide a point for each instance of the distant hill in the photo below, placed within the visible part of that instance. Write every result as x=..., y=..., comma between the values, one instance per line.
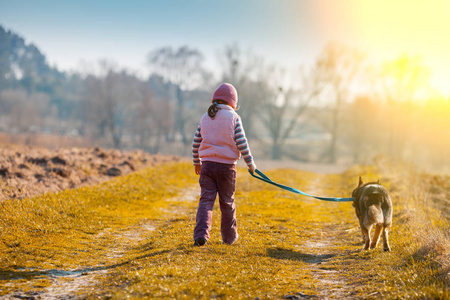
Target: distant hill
x=22, y=65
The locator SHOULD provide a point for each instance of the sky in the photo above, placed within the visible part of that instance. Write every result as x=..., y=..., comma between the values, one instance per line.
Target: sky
x=287, y=32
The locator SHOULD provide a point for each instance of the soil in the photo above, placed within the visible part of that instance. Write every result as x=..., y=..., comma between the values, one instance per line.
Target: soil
x=29, y=171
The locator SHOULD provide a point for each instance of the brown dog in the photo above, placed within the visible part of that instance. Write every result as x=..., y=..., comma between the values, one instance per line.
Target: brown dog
x=373, y=206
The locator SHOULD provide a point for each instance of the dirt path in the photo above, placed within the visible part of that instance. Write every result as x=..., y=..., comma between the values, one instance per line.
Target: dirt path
x=319, y=168
x=66, y=284
x=322, y=251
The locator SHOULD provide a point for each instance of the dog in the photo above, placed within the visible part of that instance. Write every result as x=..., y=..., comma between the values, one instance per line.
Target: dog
x=373, y=206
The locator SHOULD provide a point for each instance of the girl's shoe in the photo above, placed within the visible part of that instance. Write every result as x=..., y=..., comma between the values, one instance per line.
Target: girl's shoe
x=199, y=242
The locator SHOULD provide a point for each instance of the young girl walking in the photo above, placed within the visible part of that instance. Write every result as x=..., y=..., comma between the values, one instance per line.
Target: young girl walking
x=218, y=144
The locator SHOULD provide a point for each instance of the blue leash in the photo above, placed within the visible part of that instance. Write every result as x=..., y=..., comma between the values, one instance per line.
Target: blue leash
x=287, y=188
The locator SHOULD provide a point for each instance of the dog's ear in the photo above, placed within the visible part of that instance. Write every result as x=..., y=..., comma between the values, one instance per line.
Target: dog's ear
x=360, y=182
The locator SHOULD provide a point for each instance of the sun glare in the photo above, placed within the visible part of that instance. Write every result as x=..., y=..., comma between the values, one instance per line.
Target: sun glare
x=413, y=27
x=391, y=29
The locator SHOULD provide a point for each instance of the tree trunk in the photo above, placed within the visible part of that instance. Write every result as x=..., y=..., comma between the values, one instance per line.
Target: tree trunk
x=334, y=133
x=180, y=120
x=277, y=150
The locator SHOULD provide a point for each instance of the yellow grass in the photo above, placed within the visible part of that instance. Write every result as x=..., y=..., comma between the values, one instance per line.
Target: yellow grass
x=138, y=230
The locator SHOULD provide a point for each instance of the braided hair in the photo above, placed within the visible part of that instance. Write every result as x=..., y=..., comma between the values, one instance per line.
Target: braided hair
x=213, y=109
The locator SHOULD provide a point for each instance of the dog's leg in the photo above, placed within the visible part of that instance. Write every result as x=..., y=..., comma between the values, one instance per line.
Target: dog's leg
x=376, y=236
x=366, y=236
x=386, y=246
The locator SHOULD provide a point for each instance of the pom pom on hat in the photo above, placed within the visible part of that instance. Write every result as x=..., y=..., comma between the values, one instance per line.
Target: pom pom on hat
x=226, y=92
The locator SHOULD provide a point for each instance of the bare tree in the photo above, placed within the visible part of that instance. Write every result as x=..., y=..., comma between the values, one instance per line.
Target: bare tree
x=364, y=119
x=112, y=97
x=153, y=120
x=182, y=69
x=243, y=69
x=25, y=112
x=285, y=101
x=337, y=66
x=142, y=125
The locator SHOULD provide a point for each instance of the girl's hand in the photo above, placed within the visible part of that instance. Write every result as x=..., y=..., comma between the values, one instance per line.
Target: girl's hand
x=198, y=168
x=252, y=168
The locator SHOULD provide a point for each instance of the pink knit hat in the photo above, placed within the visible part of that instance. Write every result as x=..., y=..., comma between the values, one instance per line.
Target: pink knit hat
x=228, y=93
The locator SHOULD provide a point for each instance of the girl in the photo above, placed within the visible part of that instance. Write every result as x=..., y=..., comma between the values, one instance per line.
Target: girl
x=218, y=144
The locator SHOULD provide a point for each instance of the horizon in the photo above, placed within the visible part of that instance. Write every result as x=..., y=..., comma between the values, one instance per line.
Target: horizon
x=74, y=35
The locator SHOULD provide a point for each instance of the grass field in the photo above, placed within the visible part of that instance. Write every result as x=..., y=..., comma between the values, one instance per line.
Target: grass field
x=132, y=238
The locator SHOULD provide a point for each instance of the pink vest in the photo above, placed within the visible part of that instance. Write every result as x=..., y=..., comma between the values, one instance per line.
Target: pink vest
x=218, y=143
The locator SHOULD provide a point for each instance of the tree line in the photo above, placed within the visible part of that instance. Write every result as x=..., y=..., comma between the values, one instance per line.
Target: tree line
x=342, y=106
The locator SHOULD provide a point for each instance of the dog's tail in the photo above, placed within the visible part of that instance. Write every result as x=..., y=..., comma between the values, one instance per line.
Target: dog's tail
x=374, y=214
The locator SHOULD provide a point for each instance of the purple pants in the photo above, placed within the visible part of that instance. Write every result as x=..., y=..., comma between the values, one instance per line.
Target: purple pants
x=217, y=178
